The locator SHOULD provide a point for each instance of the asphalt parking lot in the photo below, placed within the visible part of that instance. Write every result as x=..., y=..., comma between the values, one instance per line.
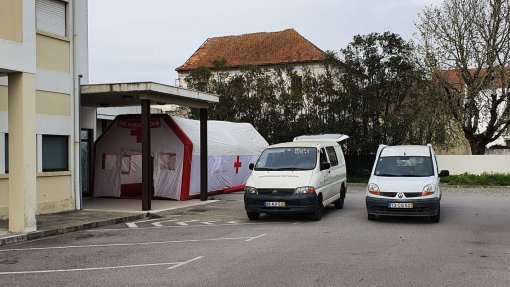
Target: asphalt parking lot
x=216, y=245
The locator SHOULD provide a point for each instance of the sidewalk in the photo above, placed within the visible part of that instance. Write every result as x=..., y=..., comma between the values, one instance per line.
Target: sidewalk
x=97, y=213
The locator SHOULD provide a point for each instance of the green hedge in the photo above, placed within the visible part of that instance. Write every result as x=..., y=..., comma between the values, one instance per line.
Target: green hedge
x=484, y=179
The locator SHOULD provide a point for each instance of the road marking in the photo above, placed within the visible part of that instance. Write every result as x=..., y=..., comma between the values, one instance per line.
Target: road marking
x=130, y=244
x=233, y=222
x=253, y=238
x=185, y=226
x=185, y=262
x=210, y=222
x=175, y=265
x=160, y=223
x=184, y=223
x=134, y=223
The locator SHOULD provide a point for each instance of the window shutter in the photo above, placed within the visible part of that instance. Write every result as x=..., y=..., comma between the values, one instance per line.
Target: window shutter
x=51, y=16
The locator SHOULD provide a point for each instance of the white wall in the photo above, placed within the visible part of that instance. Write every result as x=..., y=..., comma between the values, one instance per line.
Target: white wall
x=474, y=164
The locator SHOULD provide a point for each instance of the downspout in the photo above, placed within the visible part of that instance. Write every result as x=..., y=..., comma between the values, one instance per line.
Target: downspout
x=77, y=102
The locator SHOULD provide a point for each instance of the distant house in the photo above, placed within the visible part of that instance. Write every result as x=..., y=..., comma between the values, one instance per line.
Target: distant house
x=265, y=49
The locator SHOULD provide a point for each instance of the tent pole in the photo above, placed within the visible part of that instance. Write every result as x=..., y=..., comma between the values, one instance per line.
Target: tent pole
x=203, y=154
x=146, y=156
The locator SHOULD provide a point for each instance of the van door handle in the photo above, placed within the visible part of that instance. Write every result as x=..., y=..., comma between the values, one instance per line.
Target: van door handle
x=329, y=171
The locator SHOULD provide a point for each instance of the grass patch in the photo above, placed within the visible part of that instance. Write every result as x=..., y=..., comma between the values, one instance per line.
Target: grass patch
x=485, y=179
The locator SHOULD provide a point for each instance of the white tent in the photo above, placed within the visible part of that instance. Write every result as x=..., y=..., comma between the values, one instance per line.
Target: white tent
x=175, y=148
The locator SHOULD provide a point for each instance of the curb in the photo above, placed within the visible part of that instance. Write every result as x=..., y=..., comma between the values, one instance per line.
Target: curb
x=59, y=231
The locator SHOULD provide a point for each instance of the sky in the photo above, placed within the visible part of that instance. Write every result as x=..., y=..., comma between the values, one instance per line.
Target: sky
x=146, y=40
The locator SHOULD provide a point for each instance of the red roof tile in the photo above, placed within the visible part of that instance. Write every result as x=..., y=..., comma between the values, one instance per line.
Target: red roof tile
x=259, y=49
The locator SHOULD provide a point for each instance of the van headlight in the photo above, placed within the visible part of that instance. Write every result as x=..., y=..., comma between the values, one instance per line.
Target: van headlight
x=304, y=189
x=429, y=189
x=251, y=190
x=374, y=189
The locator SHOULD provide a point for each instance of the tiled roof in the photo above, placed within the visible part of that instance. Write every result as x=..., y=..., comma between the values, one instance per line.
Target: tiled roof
x=454, y=78
x=259, y=49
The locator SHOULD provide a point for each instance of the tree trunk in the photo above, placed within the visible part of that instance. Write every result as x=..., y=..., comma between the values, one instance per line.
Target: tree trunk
x=477, y=146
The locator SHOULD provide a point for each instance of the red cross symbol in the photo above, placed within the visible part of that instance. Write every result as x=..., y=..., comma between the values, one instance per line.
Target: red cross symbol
x=138, y=133
x=237, y=165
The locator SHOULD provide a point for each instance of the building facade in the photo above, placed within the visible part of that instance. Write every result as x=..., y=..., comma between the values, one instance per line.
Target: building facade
x=43, y=50
x=228, y=55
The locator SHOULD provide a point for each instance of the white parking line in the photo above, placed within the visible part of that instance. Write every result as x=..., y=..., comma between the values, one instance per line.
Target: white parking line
x=175, y=265
x=132, y=244
x=210, y=222
x=184, y=223
x=160, y=223
x=188, y=226
x=253, y=238
x=134, y=223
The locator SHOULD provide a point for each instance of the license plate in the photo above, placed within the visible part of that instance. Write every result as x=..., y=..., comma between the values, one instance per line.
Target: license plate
x=400, y=205
x=275, y=204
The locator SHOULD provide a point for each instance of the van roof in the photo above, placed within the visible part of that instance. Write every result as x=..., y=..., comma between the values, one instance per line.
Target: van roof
x=403, y=150
x=304, y=144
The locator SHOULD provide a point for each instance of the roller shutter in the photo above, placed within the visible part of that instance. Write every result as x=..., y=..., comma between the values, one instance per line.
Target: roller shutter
x=51, y=16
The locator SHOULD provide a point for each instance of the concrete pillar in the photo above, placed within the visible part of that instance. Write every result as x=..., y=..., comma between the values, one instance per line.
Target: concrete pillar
x=22, y=152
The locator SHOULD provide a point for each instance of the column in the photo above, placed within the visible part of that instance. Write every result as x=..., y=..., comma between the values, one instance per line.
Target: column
x=22, y=152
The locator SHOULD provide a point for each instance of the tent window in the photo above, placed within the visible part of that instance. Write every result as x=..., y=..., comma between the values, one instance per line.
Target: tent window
x=51, y=16
x=109, y=161
x=167, y=161
x=126, y=164
x=55, y=153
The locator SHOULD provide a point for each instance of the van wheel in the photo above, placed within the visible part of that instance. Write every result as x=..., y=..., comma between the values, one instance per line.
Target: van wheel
x=253, y=215
x=371, y=216
x=339, y=203
x=437, y=217
x=319, y=209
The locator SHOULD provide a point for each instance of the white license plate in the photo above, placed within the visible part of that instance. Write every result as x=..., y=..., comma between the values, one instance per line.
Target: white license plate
x=275, y=204
x=400, y=205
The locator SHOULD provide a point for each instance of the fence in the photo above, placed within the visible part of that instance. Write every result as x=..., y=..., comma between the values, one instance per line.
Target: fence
x=474, y=164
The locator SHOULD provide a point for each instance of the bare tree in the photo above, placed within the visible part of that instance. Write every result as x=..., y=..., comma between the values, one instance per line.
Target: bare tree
x=466, y=44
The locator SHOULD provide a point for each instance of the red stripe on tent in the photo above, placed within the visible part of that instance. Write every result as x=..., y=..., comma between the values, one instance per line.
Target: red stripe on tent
x=188, y=155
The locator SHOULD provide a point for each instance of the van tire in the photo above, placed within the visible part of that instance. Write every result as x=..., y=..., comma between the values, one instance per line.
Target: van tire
x=253, y=215
x=319, y=209
x=437, y=217
x=339, y=203
x=371, y=217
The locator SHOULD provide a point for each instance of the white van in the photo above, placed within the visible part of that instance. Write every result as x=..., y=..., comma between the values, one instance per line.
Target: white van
x=405, y=182
x=298, y=177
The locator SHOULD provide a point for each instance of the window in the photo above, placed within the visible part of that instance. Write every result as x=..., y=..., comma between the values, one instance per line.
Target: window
x=6, y=153
x=126, y=164
x=51, y=16
x=332, y=155
x=167, y=161
x=297, y=84
x=109, y=161
x=55, y=153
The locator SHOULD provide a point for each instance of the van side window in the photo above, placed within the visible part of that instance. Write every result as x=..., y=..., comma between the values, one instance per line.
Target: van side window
x=323, y=158
x=332, y=155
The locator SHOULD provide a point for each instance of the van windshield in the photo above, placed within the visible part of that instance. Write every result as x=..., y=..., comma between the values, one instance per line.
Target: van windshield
x=411, y=166
x=298, y=158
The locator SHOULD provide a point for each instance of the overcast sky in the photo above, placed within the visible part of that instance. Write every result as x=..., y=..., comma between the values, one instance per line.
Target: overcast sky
x=145, y=40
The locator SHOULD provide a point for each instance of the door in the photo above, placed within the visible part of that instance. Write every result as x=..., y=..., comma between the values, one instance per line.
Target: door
x=325, y=180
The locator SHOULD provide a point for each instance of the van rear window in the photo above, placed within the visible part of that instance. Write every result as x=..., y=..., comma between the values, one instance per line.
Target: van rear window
x=410, y=166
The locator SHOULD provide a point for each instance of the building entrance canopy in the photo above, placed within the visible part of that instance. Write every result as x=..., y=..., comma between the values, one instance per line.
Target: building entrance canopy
x=145, y=93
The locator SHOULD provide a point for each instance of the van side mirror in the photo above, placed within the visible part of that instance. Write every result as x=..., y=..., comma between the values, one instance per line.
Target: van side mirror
x=325, y=165
x=251, y=166
x=444, y=173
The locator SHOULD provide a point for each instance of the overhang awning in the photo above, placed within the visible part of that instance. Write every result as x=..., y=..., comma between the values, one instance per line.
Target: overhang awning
x=130, y=94
x=145, y=94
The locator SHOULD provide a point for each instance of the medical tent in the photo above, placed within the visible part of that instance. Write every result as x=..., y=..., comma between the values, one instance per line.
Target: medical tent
x=175, y=151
